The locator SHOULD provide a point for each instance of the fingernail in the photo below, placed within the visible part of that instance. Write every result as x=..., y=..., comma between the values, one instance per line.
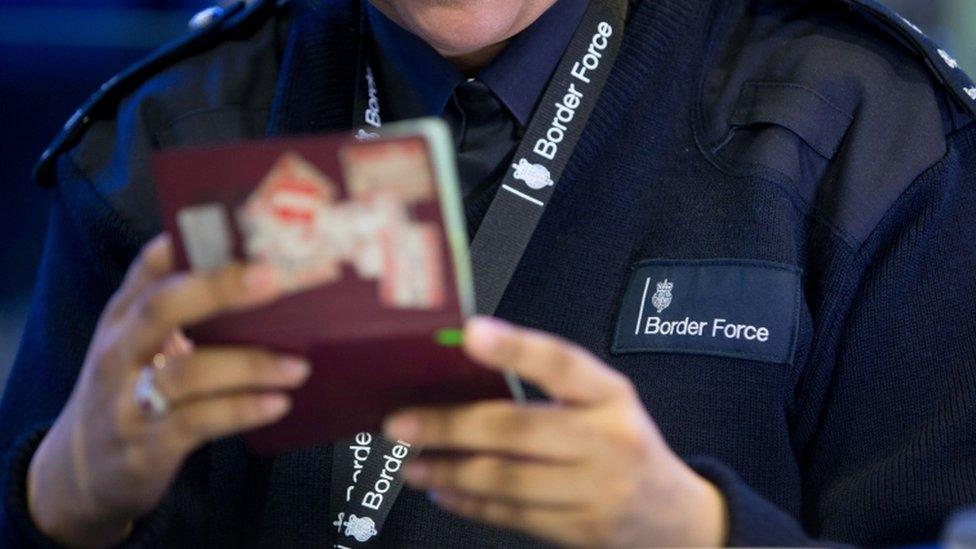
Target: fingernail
x=185, y=344
x=485, y=334
x=261, y=280
x=178, y=345
x=403, y=427
x=416, y=472
x=294, y=368
x=274, y=405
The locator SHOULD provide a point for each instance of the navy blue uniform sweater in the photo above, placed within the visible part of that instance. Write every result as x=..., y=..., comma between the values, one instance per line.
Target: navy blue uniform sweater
x=806, y=135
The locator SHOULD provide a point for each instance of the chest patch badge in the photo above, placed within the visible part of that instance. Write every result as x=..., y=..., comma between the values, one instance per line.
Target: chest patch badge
x=727, y=307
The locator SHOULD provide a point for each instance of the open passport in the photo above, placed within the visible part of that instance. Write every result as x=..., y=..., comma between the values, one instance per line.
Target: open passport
x=367, y=235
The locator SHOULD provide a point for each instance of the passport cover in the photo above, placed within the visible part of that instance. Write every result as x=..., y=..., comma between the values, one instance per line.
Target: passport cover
x=368, y=238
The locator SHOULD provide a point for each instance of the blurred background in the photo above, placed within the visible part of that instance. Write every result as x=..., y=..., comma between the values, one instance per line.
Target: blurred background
x=53, y=53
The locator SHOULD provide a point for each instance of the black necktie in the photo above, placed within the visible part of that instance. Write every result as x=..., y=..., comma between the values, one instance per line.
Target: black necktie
x=486, y=136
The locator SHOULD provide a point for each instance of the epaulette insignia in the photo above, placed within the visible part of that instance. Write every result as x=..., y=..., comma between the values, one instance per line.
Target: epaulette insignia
x=206, y=17
x=946, y=69
x=207, y=28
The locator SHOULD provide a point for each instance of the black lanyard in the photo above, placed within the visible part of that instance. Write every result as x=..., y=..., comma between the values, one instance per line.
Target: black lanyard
x=365, y=472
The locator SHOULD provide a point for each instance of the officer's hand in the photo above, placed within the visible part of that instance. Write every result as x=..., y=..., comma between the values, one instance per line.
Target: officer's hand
x=106, y=462
x=591, y=470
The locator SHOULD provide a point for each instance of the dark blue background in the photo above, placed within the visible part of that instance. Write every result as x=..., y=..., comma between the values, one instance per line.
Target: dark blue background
x=53, y=53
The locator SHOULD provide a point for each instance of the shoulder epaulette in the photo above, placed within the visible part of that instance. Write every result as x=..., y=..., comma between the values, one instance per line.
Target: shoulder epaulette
x=944, y=67
x=206, y=29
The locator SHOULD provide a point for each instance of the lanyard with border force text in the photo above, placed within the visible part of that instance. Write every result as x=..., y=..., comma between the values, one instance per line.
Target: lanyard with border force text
x=365, y=471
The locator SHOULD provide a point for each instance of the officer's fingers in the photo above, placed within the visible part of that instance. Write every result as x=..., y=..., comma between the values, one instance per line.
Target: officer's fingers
x=187, y=298
x=206, y=420
x=562, y=369
x=542, y=432
x=496, y=477
x=213, y=371
x=177, y=345
x=154, y=262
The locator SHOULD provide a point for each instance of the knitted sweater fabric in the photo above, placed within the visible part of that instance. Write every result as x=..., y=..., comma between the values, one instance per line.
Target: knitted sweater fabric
x=866, y=186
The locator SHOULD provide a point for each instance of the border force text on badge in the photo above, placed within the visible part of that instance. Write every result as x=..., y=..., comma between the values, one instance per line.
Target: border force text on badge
x=720, y=326
x=548, y=147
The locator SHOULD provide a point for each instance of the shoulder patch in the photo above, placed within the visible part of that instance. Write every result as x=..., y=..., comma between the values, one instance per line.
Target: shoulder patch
x=207, y=28
x=734, y=308
x=946, y=69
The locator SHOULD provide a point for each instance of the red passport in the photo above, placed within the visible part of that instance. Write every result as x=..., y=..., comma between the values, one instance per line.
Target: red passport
x=368, y=236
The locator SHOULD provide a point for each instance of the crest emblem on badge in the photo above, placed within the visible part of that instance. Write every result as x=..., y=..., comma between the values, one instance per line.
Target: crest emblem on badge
x=662, y=297
x=364, y=135
x=536, y=176
x=360, y=528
